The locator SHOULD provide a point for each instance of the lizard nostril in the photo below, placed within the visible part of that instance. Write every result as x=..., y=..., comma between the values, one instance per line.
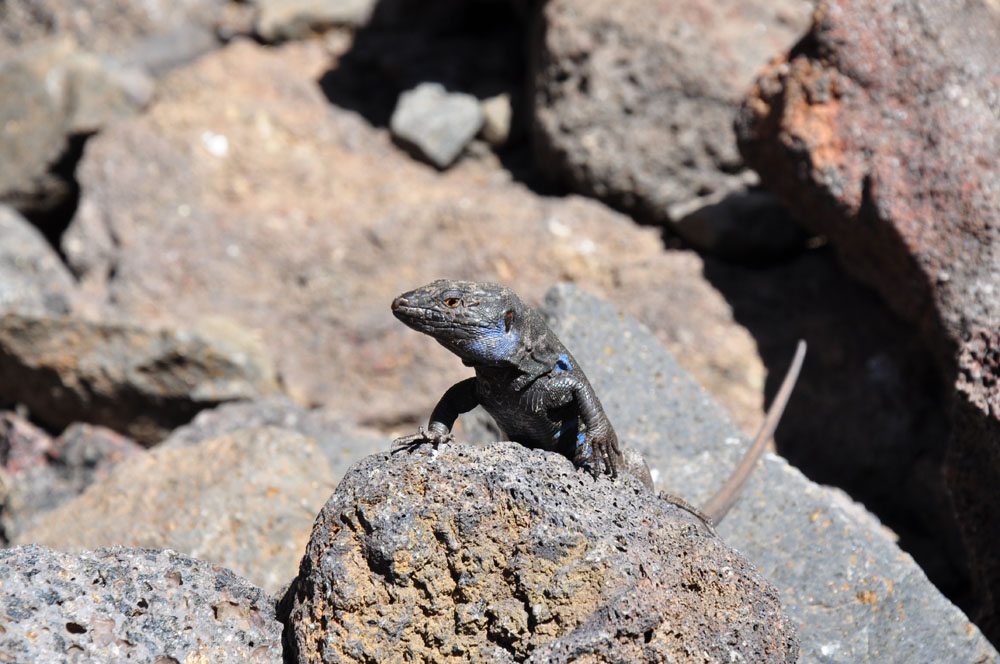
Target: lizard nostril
x=399, y=302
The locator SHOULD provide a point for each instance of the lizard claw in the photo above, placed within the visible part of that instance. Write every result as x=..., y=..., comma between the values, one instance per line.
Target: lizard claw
x=422, y=436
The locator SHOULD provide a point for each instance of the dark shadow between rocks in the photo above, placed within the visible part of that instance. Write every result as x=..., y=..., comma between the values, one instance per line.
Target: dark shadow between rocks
x=477, y=48
x=869, y=414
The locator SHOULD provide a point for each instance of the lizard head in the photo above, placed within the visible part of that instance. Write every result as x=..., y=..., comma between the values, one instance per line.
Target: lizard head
x=478, y=321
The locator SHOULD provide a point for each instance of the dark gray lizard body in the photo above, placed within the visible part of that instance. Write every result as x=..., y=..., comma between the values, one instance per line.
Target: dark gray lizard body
x=531, y=384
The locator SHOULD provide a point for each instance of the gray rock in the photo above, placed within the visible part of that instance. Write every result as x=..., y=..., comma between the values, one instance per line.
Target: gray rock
x=342, y=442
x=490, y=554
x=40, y=473
x=245, y=500
x=32, y=135
x=32, y=277
x=279, y=20
x=153, y=34
x=122, y=604
x=436, y=123
x=497, y=113
x=634, y=100
x=136, y=380
x=854, y=594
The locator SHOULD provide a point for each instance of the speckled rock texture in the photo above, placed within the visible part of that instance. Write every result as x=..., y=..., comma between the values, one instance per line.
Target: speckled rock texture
x=244, y=500
x=634, y=100
x=136, y=605
x=881, y=131
x=470, y=554
x=139, y=380
x=855, y=596
x=972, y=468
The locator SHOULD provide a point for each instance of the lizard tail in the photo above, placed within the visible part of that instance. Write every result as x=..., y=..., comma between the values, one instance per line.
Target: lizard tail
x=718, y=505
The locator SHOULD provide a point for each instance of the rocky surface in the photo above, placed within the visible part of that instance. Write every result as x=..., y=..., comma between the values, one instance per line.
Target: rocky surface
x=884, y=128
x=40, y=473
x=244, y=500
x=634, y=101
x=278, y=20
x=32, y=277
x=972, y=468
x=474, y=554
x=881, y=131
x=136, y=380
x=32, y=135
x=242, y=194
x=854, y=595
x=342, y=442
x=154, y=34
x=434, y=123
x=121, y=604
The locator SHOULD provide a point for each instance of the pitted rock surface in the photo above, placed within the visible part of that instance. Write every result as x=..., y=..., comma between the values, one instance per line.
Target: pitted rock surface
x=634, y=100
x=881, y=131
x=123, y=604
x=490, y=554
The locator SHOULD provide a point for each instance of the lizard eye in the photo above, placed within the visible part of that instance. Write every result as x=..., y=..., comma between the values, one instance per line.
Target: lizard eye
x=452, y=301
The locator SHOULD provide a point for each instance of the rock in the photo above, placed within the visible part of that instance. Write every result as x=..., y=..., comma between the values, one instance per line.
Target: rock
x=40, y=473
x=153, y=34
x=33, y=279
x=855, y=596
x=972, y=469
x=279, y=20
x=497, y=114
x=722, y=226
x=123, y=604
x=634, y=101
x=154, y=238
x=495, y=553
x=881, y=132
x=342, y=442
x=32, y=136
x=245, y=500
x=436, y=123
x=133, y=379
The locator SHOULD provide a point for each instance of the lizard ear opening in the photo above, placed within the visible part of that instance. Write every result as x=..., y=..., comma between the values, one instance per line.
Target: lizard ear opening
x=508, y=320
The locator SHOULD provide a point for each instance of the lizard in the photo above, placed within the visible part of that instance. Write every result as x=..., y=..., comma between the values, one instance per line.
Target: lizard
x=534, y=389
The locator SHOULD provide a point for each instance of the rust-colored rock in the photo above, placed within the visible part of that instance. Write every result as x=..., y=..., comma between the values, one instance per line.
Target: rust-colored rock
x=882, y=131
x=506, y=554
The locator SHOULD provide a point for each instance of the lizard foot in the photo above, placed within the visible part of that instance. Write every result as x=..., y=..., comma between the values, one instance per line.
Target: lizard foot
x=421, y=437
x=593, y=456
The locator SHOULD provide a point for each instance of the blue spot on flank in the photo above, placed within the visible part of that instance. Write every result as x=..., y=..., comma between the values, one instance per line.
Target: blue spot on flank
x=581, y=438
x=562, y=364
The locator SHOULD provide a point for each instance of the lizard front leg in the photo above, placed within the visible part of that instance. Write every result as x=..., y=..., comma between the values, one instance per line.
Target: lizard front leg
x=459, y=398
x=597, y=444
